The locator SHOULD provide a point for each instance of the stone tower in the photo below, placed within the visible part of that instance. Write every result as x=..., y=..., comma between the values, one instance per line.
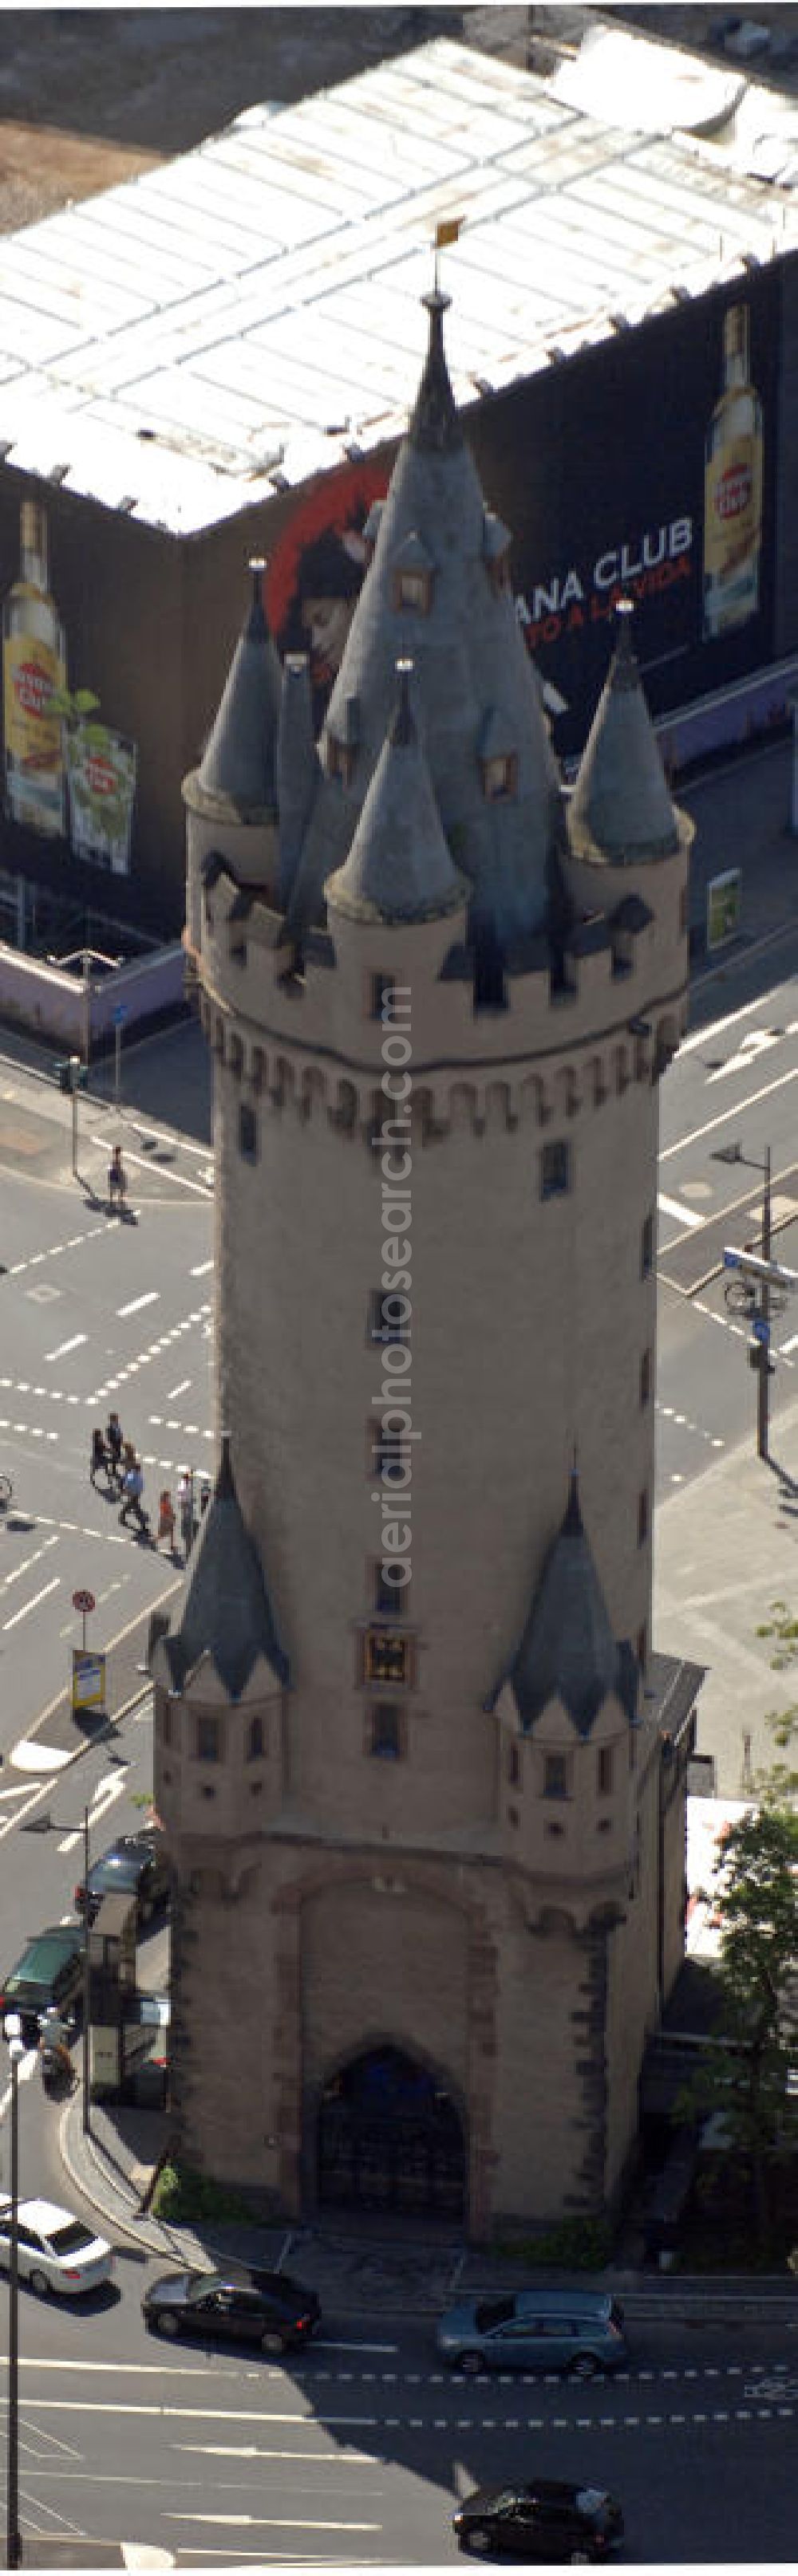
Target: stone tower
x=426, y=1812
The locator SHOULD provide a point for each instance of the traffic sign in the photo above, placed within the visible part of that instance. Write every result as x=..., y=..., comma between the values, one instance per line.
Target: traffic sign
x=83, y=1601
x=119, y=1014
x=772, y=1273
x=760, y=1328
x=88, y=1680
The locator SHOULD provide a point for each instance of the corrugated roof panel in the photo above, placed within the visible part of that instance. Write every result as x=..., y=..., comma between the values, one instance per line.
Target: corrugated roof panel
x=32, y=337
x=169, y=265
x=336, y=127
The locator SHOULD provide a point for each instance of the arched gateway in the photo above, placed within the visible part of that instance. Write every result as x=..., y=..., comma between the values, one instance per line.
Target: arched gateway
x=390, y=2137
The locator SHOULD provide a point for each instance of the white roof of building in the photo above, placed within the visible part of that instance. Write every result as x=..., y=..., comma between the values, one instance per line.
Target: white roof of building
x=254, y=305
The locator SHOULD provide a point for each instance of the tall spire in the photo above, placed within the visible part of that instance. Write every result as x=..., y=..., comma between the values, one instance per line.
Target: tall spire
x=621, y=809
x=399, y=867
x=239, y=757
x=434, y=422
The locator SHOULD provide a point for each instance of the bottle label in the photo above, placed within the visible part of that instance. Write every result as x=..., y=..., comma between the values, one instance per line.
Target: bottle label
x=732, y=506
x=32, y=672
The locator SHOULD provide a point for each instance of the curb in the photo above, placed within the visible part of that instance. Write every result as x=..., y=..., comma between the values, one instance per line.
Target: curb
x=667, y=2301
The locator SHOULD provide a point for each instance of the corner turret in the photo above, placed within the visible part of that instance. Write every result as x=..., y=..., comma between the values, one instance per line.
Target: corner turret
x=231, y=797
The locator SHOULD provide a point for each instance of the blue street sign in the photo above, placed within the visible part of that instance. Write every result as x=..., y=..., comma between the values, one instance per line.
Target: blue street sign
x=119, y=1014
x=731, y=1260
x=760, y=1329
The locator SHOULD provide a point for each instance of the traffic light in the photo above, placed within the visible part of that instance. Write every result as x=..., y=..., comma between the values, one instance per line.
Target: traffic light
x=70, y=1075
x=758, y=1358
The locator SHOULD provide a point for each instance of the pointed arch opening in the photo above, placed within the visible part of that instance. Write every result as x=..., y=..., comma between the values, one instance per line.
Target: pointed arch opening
x=390, y=2136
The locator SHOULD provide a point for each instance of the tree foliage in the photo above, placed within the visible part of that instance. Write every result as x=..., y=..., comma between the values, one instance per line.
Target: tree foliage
x=744, y=2074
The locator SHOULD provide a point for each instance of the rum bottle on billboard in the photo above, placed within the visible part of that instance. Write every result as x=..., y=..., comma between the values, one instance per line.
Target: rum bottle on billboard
x=34, y=669
x=733, y=487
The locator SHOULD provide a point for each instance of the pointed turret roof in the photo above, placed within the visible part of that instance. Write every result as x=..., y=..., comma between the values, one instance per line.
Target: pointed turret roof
x=297, y=768
x=399, y=867
x=621, y=809
x=224, y=1610
x=468, y=653
x=434, y=421
x=238, y=763
x=568, y=1650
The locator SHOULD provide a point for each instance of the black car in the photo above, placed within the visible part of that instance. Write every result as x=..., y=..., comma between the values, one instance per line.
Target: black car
x=545, y=2518
x=49, y=1973
x=135, y=1865
x=264, y=2308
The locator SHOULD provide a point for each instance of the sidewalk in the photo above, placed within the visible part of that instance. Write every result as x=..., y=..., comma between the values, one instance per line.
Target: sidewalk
x=726, y=1548
x=362, y=2269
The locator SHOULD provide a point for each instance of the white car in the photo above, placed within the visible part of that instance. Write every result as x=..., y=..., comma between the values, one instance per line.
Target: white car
x=54, y=2249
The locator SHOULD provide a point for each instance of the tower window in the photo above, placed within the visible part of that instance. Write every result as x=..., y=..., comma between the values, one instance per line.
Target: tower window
x=642, y=1644
x=256, y=1741
x=499, y=776
x=555, y=1775
x=605, y=1771
x=513, y=1766
x=390, y=1598
x=385, y=1731
x=383, y=1312
x=645, y=1377
x=555, y=1168
x=387, y=1657
x=684, y=909
x=647, y=1248
x=387, y=1458
x=247, y=1132
x=208, y=1744
x=642, y=1518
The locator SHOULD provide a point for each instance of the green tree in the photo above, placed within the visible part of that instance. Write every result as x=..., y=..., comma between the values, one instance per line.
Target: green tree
x=781, y=1780
x=744, y=2076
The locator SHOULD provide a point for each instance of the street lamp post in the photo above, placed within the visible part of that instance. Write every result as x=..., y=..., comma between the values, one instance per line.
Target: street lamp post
x=734, y=1154
x=86, y=2111
x=16, y=2051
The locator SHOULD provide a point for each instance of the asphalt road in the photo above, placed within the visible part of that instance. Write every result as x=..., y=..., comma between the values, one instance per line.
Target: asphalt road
x=358, y=2453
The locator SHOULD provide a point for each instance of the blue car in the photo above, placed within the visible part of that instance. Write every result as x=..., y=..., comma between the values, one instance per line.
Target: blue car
x=579, y=2331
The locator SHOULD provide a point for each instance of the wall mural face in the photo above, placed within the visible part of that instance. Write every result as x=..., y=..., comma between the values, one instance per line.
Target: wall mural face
x=67, y=774
x=316, y=570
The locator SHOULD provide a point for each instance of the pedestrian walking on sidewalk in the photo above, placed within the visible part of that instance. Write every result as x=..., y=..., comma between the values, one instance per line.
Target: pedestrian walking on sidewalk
x=166, y=1519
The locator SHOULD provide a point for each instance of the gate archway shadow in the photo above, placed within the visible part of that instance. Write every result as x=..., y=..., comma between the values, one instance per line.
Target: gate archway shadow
x=390, y=2137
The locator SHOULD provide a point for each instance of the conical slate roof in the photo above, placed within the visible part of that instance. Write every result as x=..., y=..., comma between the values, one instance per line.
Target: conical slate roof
x=297, y=768
x=621, y=809
x=568, y=1650
x=399, y=867
x=467, y=650
x=224, y=1611
x=239, y=759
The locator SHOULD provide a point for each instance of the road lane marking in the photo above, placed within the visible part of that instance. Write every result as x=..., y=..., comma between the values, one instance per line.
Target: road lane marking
x=31, y=1605
x=27, y=1562
x=271, y=2521
x=75, y=1344
x=675, y=1207
x=722, y=1120
x=784, y=1347
x=200, y=1269
x=251, y=2451
x=182, y=1389
x=134, y=1304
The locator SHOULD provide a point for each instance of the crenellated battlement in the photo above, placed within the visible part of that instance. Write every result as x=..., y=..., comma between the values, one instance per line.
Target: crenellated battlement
x=284, y=1078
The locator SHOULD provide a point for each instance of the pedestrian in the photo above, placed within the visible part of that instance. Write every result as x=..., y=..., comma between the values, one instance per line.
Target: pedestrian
x=99, y=1455
x=113, y=1441
x=166, y=1518
x=205, y=1494
x=117, y=1181
x=128, y=1458
x=185, y=1505
x=134, y=1488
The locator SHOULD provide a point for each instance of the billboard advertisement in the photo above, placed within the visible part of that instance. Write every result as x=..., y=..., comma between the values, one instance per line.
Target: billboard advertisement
x=67, y=775
x=647, y=467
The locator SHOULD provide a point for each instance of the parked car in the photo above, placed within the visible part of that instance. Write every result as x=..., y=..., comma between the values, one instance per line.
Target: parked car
x=546, y=2518
x=49, y=1973
x=135, y=1865
x=580, y=2331
x=54, y=2249
x=264, y=2308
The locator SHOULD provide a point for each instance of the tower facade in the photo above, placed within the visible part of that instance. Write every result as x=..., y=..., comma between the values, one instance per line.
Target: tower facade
x=425, y=1811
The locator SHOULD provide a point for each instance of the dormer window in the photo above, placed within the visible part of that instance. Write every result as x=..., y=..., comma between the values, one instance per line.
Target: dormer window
x=412, y=572
x=499, y=776
x=341, y=747
x=498, y=758
x=340, y=759
x=496, y=553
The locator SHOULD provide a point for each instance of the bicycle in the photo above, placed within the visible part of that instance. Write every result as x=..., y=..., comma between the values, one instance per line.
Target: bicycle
x=6, y=1491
